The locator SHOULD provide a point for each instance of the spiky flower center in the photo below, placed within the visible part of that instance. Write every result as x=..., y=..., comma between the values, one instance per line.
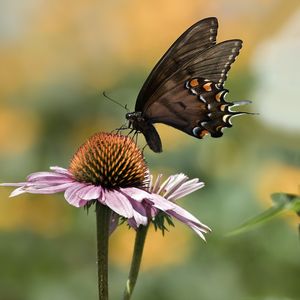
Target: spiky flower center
x=109, y=160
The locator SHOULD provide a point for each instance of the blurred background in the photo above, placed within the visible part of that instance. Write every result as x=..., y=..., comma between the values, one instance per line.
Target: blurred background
x=57, y=57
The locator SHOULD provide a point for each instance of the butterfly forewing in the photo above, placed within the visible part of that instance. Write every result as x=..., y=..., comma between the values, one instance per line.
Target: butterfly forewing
x=190, y=44
x=213, y=64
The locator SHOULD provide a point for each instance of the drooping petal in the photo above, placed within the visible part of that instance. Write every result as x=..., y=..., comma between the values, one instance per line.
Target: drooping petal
x=140, y=219
x=17, y=192
x=13, y=184
x=50, y=177
x=159, y=202
x=179, y=213
x=117, y=202
x=47, y=189
x=139, y=213
x=132, y=223
x=184, y=215
x=41, y=189
x=61, y=170
x=90, y=192
x=136, y=194
x=71, y=194
x=51, y=180
x=198, y=228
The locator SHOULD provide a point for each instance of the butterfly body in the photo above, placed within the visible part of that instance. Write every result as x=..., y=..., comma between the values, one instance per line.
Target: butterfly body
x=185, y=88
x=141, y=124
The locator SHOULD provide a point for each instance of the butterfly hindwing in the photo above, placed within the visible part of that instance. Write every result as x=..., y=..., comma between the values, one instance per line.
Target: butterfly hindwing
x=198, y=108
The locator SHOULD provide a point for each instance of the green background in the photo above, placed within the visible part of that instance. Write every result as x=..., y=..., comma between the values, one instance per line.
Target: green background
x=57, y=57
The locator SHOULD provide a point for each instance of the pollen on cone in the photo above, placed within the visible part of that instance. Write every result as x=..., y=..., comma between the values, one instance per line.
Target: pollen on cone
x=110, y=160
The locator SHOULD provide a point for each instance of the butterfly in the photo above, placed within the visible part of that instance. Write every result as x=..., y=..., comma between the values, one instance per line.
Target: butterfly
x=185, y=88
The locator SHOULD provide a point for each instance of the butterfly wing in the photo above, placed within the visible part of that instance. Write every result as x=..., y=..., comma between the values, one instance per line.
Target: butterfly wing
x=193, y=98
x=199, y=37
x=198, y=109
x=185, y=89
x=212, y=64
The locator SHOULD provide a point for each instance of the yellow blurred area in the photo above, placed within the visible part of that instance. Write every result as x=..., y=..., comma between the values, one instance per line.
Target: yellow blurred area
x=172, y=142
x=42, y=214
x=276, y=177
x=160, y=251
x=19, y=130
x=91, y=39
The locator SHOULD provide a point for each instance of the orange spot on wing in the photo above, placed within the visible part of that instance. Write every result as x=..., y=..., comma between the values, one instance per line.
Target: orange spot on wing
x=218, y=96
x=223, y=107
x=203, y=133
x=207, y=86
x=194, y=82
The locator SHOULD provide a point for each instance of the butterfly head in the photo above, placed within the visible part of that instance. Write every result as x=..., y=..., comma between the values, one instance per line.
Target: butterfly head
x=134, y=119
x=138, y=123
x=133, y=115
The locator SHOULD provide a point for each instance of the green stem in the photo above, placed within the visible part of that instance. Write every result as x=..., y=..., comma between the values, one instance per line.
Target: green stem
x=136, y=261
x=102, y=221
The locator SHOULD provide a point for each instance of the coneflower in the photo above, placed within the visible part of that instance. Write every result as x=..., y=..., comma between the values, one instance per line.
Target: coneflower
x=110, y=171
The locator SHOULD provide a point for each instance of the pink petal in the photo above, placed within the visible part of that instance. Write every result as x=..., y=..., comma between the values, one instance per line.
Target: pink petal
x=51, y=181
x=139, y=210
x=90, y=192
x=13, y=184
x=139, y=219
x=71, y=194
x=132, y=223
x=40, y=189
x=82, y=203
x=160, y=202
x=17, y=192
x=47, y=189
x=163, y=185
x=38, y=174
x=118, y=203
x=175, y=182
x=186, y=189
x=136, y=194
x=60, y=170
x=198, y=231
x=156, y=185
x=184, y=215
x=197, y=226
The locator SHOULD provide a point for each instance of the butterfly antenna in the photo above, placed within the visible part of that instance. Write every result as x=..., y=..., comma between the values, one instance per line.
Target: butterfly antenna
x=114, y=101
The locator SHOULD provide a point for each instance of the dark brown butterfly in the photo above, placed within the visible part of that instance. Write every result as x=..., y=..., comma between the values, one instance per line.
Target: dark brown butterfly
x=185, y=88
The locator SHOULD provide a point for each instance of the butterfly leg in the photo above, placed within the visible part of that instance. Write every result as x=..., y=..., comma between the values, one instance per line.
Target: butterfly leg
x=123, y=127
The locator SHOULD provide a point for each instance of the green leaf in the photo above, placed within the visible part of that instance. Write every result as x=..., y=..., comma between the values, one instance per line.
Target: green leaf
x=282, y=202
x=289, y=201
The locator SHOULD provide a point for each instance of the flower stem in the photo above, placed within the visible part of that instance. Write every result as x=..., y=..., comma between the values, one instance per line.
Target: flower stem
x=136, y=261
x=102, y=221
